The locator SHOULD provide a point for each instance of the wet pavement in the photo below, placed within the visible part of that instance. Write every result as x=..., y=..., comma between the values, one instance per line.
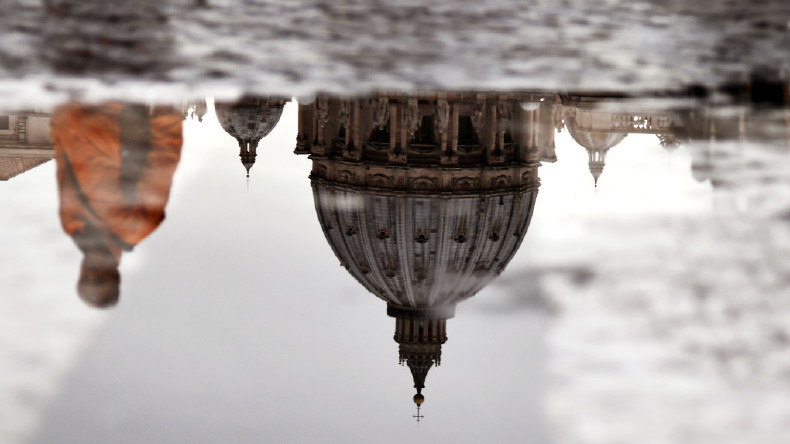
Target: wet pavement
x=300, y=48
x=309, y=222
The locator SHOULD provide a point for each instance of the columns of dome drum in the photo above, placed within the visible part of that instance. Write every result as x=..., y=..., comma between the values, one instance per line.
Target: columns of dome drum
x=357, y=138
x=396, y=154
x=451, y=156
x=489, y=138
x=303, y=144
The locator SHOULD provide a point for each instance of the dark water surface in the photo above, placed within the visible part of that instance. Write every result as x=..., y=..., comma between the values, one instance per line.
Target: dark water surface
x=555, y=223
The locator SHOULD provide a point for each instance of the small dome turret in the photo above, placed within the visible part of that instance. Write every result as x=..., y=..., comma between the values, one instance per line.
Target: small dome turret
x=248, y=121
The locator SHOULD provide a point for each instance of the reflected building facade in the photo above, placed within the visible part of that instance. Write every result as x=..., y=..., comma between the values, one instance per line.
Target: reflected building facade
x=24, y=142
x=425, y=198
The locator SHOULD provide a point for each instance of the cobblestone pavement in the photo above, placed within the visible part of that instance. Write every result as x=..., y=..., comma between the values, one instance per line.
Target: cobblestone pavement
x=304, y=46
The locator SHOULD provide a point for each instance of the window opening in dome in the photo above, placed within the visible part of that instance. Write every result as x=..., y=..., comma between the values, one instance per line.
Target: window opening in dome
x=425, y=133
x=466, y=131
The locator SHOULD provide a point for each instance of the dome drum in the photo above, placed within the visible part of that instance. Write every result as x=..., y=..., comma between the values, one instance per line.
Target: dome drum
x=428, y=128
x=433, y=180
x=442, y=312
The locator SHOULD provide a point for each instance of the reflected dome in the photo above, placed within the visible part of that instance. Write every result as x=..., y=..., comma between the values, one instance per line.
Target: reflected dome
x=594, y=140
x=422, y=252
x=419, y=251
x=424, y=199
x=248, y=121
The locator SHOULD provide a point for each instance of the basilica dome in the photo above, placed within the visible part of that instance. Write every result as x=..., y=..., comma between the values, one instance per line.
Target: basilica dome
x=417, y=206
x=248, y=121
x=594, y=140
x=422, y=252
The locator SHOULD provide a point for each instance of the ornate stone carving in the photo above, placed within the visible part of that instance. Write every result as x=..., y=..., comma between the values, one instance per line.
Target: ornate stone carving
x=413, y=118
x=322, y=111
x=668, y=141
x=381, y=112
x=390, y=270
x=501, y=181
x=478, y=119
x=482, y=267
x=344, y=114
x=379, y=180
x=442, y=116
x=423, y=183
x=558, y=114
x=503, y=116
x=466, y=182
x=346, y=176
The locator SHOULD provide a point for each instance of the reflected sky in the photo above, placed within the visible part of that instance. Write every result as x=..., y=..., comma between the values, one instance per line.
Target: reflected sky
x=237, y=324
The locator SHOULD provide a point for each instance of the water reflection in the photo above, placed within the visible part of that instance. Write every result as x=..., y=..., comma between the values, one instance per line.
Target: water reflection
x=426, y=197
x=115, y=164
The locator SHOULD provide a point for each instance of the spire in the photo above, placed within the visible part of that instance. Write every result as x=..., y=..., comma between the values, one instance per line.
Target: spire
x=597, y=161
x=247, y=153
x=420, y=358
x=420, y=347
x=596, y=168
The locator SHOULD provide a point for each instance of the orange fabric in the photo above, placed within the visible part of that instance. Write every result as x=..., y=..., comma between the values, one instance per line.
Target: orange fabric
x=88, y=153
